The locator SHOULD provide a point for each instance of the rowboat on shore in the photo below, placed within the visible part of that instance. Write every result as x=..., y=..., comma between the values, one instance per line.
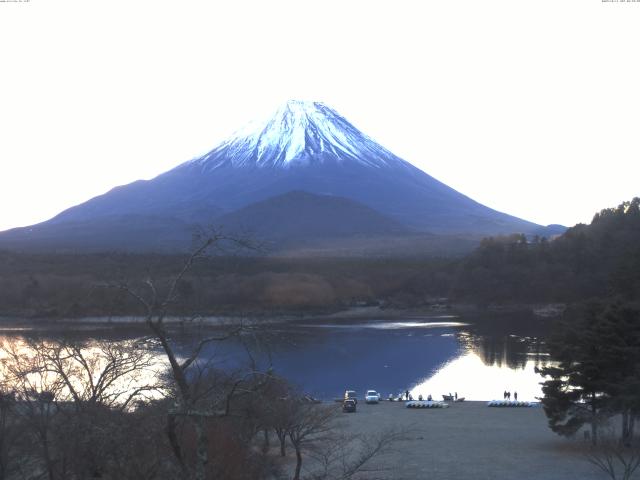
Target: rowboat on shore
x=452, y=398
x=425, y=404
x=509, y=403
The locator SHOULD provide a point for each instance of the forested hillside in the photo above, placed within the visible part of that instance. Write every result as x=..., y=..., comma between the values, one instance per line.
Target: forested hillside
x=596, y=261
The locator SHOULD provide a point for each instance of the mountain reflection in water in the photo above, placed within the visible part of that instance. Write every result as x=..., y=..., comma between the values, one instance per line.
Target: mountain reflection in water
x=469, y=377
x=478, y=358
x=491, y=362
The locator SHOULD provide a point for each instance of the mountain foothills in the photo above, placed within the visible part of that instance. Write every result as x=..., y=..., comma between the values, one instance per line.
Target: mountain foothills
x=600, y=261
x=304, y=177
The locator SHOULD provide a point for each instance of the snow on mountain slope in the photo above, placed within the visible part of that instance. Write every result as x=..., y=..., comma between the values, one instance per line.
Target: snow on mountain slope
x=299, y=133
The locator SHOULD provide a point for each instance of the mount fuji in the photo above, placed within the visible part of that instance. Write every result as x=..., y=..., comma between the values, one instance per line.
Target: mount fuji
x=305, y=173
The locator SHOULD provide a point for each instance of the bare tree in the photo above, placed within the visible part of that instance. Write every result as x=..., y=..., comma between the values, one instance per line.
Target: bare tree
x=10, y=435
x=281, y=419
x=70, y=394
x=616, y=458
x=279, y=409
x=308, y=424
x=347, y=457
x=110, y=374
x=36, y=392
x=314, y=429
x=197, y=397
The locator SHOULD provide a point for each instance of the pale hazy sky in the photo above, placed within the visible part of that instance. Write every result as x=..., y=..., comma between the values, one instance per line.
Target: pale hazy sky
x=531, y=107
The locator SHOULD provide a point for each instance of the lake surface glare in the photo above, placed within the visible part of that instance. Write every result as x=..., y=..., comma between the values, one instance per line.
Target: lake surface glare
x=477, y=358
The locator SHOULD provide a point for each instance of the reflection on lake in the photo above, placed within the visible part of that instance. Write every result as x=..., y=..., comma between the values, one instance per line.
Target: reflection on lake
x=469, y=377
x=477, y=358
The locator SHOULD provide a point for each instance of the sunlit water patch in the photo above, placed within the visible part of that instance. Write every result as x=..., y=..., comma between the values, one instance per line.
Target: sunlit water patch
x=427, y=355
x=470, y=377
x=388, y=325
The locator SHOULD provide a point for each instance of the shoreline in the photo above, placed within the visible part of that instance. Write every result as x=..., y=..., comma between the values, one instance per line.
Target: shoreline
x=353, y=313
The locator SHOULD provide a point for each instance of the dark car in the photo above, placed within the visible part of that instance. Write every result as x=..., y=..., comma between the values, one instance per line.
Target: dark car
x=349, y=406
x=351, y=395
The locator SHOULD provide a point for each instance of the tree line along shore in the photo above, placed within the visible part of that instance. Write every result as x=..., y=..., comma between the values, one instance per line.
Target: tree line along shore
x=587, y=262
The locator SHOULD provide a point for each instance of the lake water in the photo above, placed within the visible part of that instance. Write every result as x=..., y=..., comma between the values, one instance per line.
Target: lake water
x=479, y=358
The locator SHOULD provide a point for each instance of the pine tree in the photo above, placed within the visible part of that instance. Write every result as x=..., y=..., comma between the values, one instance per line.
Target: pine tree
x=574, y=391
x=598, y=372
x=619, y=331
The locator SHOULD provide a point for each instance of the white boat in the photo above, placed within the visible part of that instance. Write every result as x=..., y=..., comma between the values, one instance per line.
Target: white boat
x=509, y=403
x=425, y=404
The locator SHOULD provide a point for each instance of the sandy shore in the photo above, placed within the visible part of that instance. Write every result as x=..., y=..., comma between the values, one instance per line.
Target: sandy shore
x=470, y=441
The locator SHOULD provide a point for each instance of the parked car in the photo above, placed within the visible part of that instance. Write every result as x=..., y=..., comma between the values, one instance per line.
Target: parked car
x=351, y=395
x=372, y=396
x=349, y=406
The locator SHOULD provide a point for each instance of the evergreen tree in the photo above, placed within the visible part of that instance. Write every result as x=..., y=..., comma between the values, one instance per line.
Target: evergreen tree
x=598, y=372
x=574, y=392
x=619, y=331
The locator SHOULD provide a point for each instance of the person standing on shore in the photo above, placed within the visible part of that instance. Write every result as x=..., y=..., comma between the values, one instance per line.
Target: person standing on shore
x=406, y=394
x=515, y=396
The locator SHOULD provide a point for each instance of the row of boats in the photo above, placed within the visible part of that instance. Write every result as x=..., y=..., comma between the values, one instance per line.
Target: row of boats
x=510, y=403
x=446, y=398
x=374, y=397
x=426, y=404
x=492, y=403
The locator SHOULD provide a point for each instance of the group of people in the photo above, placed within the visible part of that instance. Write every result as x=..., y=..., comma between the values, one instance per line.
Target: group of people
x=507, y=395
x=408, y=396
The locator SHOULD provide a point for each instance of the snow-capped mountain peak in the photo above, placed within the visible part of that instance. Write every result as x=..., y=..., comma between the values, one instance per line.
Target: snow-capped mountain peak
x=299, y=133
x=305, y=172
